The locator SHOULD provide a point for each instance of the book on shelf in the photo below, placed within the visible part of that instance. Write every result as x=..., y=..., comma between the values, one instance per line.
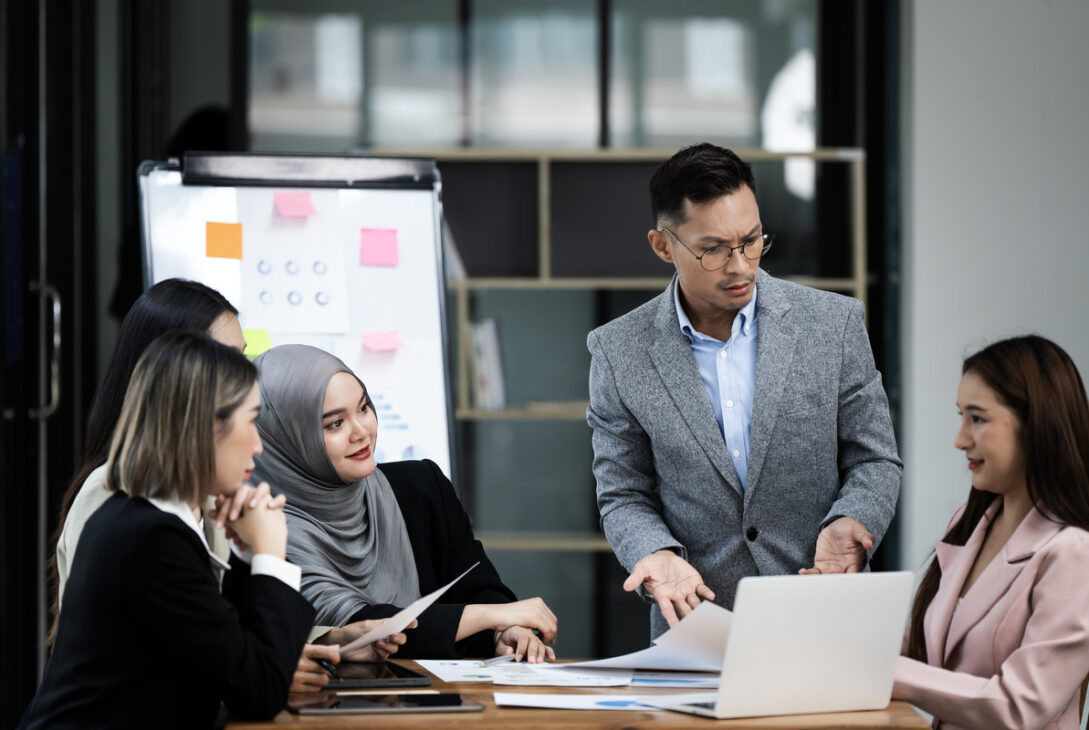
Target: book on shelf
x=488, y=390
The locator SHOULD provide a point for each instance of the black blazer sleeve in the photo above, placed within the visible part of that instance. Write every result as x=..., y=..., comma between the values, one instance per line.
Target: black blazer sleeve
x=444, y=546
x=244, y=645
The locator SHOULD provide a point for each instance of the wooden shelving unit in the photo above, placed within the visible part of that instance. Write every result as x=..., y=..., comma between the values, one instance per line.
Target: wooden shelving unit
x=546, y=541
x=855, y=284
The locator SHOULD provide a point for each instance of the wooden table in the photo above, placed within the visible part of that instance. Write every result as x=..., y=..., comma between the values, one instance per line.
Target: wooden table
x=896, y=715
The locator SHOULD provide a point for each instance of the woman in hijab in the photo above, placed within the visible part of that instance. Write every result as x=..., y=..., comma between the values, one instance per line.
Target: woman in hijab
x=372, y=539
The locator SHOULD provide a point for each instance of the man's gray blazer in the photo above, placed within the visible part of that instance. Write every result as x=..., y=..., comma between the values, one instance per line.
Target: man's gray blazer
x=821, y=445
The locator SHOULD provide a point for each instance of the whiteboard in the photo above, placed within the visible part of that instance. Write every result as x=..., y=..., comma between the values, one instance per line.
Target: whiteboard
x=344, y=254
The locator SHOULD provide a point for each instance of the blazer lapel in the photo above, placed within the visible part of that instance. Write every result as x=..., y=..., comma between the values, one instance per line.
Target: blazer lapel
x=994, y=582
x=776, y=340
x=672, y=356
x=955, y=562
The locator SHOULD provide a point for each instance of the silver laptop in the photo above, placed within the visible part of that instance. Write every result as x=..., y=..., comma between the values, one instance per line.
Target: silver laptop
x=803, y=644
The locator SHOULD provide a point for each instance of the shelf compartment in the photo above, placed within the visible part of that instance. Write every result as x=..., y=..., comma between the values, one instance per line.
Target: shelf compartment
x=545, y=541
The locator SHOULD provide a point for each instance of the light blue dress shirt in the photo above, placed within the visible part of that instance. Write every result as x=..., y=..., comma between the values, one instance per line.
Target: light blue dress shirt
x=728, y=370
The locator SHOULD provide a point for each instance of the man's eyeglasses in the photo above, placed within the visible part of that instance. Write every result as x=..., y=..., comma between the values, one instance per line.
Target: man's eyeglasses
x=716, y=258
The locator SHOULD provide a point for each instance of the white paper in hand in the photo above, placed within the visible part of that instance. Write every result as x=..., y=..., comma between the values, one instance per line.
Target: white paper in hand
x=401, y=619
x=696, y=644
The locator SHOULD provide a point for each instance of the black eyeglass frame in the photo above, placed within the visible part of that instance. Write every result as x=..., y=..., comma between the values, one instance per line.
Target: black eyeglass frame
x=767, y=238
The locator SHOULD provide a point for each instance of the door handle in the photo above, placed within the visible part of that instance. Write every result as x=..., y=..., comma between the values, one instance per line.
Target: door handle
x=48, y=291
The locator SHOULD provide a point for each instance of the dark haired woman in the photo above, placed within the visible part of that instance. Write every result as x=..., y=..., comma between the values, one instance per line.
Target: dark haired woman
x=172, y=304
x=999, y=634
x=185, y=433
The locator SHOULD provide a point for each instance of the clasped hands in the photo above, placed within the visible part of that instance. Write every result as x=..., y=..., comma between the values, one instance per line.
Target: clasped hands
x=678, y=588
x=231, y=511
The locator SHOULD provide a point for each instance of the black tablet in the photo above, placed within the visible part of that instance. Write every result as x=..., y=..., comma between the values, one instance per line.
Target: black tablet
x=328, y=703
x=362, y=675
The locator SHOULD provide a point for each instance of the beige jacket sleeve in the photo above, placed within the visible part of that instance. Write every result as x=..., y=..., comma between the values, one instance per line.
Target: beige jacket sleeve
x=91, y=496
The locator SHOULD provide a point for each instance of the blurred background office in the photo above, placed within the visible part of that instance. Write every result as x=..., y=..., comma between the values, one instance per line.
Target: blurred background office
x=947, y=189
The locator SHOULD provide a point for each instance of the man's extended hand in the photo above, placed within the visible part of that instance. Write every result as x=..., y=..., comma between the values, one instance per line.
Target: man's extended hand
x=841, y=548
x=671, y=581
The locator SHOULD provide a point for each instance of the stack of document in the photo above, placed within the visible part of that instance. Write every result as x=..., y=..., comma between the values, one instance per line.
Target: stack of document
x=688, y=655
x=696, y=644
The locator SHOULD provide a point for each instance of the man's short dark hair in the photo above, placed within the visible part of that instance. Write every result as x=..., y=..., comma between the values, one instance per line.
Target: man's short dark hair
x=700, y=173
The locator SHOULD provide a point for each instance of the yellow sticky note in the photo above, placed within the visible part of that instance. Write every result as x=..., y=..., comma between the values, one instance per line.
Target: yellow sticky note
x=257, y=341
x=223, y=240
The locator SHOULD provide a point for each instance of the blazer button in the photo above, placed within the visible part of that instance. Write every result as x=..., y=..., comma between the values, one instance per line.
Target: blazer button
x=751, y=534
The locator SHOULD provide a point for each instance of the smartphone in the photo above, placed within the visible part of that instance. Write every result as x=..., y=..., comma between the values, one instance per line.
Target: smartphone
x=362, y=675
x=334, y=704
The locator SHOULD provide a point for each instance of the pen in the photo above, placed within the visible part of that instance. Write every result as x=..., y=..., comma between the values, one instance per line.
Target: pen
x=328, y=666
x=499, y=660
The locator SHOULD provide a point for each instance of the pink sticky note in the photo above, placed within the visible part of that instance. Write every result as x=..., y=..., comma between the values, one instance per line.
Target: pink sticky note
x=381, y=341
x=378, y=247
x=294, y=205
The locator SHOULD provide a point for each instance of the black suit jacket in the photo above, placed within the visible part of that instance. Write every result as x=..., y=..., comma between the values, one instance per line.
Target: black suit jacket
x=146, y=639
x=444, y=546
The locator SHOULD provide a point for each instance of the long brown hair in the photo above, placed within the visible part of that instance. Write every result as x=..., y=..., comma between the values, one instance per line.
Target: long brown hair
x=1037, y=380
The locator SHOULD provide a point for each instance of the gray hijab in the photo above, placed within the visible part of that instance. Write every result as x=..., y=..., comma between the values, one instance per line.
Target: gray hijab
x=349, y=539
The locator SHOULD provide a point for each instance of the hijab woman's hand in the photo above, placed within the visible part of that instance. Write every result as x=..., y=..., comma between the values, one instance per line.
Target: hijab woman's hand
x=523, y=643
x=531, y=613
x=379, y=651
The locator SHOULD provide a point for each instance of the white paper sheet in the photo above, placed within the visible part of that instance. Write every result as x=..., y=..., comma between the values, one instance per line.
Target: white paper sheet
x=402, y=618
x=293, y=269
x=545, y=675
x=458, y=670
x=696, y=644
x=692, y=680
x=522, y=674
x=575, y=701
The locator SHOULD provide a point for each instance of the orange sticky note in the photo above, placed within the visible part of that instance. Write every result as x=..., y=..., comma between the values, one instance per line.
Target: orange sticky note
x=294, y=205
x=381, y=341
x=378, y=247
x=223, y=240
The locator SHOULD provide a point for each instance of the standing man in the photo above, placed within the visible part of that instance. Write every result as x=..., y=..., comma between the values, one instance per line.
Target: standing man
x=739, y=425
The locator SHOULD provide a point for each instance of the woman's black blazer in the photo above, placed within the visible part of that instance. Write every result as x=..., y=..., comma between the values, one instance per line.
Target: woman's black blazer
x=444, y=546
x=146, y=638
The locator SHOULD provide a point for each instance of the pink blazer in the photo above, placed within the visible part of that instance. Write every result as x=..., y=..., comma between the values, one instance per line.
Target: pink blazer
x=1013, y=654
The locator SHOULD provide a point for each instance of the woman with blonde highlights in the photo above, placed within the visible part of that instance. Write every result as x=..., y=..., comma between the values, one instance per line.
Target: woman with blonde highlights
x=999, y=634
x=145, y=632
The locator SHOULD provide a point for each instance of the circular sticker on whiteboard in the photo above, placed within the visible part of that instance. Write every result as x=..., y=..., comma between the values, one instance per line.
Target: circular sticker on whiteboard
x=292, y=267
x=320, y=268
x=265, y=297
x=294, y=298
x=321, y=298
x=264, y=266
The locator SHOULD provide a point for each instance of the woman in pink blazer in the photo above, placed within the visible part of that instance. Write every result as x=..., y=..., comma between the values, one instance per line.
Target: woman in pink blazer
x=999, y=634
